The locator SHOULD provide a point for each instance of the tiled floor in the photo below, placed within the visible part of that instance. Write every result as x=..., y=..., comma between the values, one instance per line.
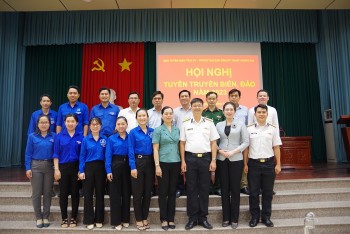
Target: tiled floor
x=17, y=174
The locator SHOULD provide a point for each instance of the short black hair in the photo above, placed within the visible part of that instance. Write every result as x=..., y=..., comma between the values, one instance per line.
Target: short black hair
x=261, y=106
x=45, y=95
x=104, y=88
x=71, y=115
x=209, y=93
x=134, y=93
x=234, y=91
x=184, y=91
x=73, y=87
x=194, y=100
x=156, y=93
x=262, y=90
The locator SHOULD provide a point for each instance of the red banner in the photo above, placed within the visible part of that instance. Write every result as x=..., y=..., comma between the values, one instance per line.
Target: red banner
x=118, y=66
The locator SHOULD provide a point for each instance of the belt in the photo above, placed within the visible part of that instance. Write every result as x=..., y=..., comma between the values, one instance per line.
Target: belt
x=263, y=160
x=198, y=155
x=145, y=156
x=43, y=160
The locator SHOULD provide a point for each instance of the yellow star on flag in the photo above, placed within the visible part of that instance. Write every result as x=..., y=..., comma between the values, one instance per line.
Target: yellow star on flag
x=125, y=65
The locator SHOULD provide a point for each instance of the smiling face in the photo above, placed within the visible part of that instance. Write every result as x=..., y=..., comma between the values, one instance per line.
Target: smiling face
x=263, y=97
x=104, y=96
x=142, y=117
x=73, y=95
x=184, y=98
x=70, y=123
x=168, y=115
x=95, y=126
x=229, y=111
x=121, y=125
x=261, y=115
x=43, y=123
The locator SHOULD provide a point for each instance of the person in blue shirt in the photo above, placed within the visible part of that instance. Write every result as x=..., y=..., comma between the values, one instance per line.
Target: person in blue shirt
x=73, y=106
x=66, y=160
x=142, y=168
x=118, y=175
x=39, y=168
x=167, y=162
x=92, y=173
x=45, y=102
x=106, y=111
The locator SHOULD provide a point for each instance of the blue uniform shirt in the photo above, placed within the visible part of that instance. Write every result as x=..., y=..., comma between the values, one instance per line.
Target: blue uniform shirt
x=34, y=119
x=38, y=147
x=139, y=143
x=92, y=150
x=115, y=146
x=107, y=115
x=80, y=109
x=67, y=148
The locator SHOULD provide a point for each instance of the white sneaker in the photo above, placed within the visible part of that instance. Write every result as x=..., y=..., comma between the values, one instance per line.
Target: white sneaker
x=99, y=225
x=126, y=225
x=119, y=227
x=91, y=226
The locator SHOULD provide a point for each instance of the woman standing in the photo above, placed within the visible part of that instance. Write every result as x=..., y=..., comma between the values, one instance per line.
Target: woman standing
x=167, y=162
x=142, y=168
x=39, y=168
x=92, y=173
x=45, y=103
x=66, y=160
x=118, y=175
x=233, y=140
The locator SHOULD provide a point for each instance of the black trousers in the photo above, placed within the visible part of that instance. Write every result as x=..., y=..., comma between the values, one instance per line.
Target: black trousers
x=230, y=175
x=197, y=186
x=142, y=187
x=95, y=180
x=167, y=190
x=120, y=191
x=261, y=176
x=69, y=185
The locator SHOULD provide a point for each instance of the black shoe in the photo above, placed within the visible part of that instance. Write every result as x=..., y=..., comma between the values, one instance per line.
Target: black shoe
x=206, y=225
x=178, y=193
x=172, y=226
x=267, y=222
x=190, y=225
x=165, y=228
x=253, y=222
x=245, y=190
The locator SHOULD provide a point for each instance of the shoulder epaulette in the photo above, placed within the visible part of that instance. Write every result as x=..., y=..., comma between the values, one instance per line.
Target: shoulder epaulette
x=250, y=125
x=271, y=125
x=208, y=119
x=185, y=120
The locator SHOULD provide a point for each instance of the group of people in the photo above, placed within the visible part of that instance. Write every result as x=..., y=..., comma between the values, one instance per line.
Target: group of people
x=134, y=149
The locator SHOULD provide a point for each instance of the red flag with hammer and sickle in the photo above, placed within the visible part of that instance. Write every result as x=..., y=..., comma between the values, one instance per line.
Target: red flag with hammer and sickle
x=118, y=66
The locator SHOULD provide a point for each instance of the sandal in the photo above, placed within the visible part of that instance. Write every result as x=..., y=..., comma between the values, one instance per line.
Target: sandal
x=72, y=223
x=146, y=226
x=64, y=223
x=140, y=227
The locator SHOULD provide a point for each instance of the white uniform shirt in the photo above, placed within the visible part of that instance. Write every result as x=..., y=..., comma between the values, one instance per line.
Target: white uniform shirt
x=272, y=117
x=198, y=135
x=154, y=118
x=262, y=139
x=130, y=116
x=180, y=114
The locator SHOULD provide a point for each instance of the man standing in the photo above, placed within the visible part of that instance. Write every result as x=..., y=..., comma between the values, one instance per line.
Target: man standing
x=130, y=112
x=241, y=115
x=154, y=115
x=182, y=113
x=259, y=163
x=198, y=158
x=73, y=106
x=263, y=97
x=106, y=111
x=215, y=114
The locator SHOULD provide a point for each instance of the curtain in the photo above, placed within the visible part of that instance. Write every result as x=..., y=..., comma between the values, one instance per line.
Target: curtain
x=49, y=69
x=150, y=76
x=12, y=54
x=171, y=25
x=333, y=57
x=290, y=74
x=119, y=66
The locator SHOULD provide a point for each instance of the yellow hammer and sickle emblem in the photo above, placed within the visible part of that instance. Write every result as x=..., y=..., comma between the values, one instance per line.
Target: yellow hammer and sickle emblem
x=99, y=66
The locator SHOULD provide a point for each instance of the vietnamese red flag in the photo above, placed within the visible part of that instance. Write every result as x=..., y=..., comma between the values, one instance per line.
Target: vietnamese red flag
x=118, y=66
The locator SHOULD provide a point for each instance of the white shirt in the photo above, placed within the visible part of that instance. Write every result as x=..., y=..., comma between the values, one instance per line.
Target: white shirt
x=130, y=116
x=262, y=140
x=154, y=118
x=180, y=114
x=198, y=135
x=272, y=117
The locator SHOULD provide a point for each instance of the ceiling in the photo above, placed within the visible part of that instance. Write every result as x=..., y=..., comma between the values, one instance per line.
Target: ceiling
x=75, y=5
